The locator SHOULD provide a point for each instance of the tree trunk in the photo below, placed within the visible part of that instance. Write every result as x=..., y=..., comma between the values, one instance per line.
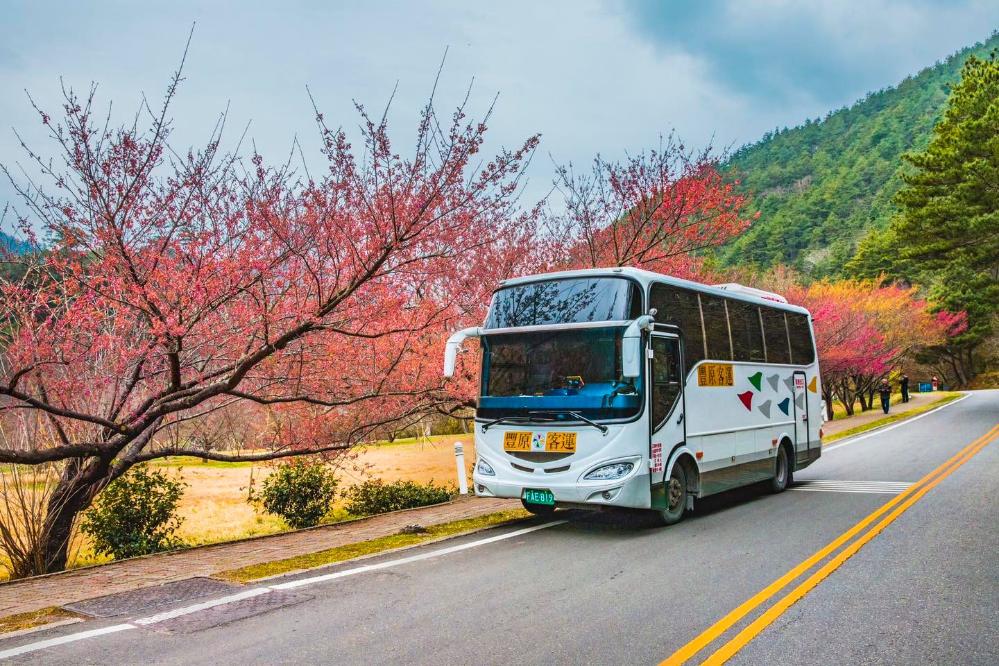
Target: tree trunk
x=956, y=365
x=79, y=484
x=846, y=395
x=864, y=404
x=827, y=398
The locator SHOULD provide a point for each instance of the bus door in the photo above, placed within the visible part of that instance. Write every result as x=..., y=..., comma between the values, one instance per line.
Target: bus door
x=801, y=443
x=666, y=408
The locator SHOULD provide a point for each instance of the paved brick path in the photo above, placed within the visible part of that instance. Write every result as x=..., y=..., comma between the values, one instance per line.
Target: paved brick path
x=77, y=585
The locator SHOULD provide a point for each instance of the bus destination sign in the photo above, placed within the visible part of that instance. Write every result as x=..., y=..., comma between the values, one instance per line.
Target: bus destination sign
x=715, y=374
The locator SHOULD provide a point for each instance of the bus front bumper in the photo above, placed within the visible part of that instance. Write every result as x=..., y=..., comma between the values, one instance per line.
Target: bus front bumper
x=633, y=491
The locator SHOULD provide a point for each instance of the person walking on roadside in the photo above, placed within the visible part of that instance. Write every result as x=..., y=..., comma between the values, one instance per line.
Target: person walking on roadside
x=905, y=388
x=885, y=391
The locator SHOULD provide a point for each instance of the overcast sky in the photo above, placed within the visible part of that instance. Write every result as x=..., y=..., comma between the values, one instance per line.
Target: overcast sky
x=592, y=76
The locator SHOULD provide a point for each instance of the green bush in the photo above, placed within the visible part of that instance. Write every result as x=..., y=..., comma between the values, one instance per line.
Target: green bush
x=135, y=515
x=300, y=492
x=376, y=496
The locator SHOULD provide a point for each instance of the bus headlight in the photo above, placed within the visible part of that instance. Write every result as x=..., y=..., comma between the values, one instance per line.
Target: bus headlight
x=610, y=472
x=484, y=468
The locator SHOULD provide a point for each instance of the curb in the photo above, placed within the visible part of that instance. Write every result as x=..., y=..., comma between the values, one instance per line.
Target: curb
x=40, y=627
x=387, y=551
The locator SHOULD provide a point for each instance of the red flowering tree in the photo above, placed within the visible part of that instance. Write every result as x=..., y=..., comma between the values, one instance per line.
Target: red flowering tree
x=863, y=331
x=655, y=210
x=179, y=287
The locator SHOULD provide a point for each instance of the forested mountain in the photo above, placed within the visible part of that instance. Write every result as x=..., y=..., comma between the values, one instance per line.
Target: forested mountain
x=820, y=186
x=8, y=242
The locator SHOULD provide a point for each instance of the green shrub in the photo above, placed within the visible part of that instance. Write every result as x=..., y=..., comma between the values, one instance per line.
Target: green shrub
x=376, y=496
x=300, y=492
x=135, y=515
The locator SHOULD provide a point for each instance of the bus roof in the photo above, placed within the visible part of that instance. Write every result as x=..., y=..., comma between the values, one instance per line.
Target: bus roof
x=645, y=278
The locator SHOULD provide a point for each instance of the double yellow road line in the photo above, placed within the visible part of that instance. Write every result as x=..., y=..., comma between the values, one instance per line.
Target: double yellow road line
x=895, y=508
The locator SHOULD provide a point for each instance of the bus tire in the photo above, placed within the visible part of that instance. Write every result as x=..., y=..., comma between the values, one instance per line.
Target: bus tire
x=676, y=496
x=538, y=509
x=782, y=471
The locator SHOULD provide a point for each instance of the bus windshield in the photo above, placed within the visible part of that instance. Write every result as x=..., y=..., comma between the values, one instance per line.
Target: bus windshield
x=572, y=370
x=564, y=301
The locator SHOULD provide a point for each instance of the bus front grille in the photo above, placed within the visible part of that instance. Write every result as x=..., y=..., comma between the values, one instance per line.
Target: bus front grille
x=538, y=456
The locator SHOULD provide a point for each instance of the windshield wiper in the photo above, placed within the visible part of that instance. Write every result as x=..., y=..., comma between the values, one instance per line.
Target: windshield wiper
x=575, y=415
x=513, y=419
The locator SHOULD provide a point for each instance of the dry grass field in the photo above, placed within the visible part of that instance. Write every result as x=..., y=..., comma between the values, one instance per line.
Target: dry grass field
x=214, y=506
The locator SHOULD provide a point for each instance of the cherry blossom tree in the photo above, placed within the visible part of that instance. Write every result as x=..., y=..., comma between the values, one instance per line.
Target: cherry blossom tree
x=655, y=210
x=864, y=331
x=176, y=287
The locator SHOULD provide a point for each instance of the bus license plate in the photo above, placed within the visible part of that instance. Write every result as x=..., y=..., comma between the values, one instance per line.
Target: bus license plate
x=533, y=496
x=551, y=442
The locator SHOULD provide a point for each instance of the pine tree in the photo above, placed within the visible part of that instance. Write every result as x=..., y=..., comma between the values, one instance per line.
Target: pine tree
x=947, y=230
x=950, y=204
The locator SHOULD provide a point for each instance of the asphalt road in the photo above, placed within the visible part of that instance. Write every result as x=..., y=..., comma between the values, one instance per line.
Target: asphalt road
x=608, y=589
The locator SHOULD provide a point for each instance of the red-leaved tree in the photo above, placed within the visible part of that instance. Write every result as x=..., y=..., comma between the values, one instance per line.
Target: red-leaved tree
x=655, y=210
x=863, y=331
x=176, y=287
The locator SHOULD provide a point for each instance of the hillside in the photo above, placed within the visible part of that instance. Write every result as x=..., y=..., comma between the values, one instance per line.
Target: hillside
x=820, y=186
x=8, y=242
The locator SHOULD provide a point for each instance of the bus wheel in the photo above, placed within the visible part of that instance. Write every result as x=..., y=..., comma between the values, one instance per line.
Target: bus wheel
x=538, y=509
x=676, y=496
x=782, y=471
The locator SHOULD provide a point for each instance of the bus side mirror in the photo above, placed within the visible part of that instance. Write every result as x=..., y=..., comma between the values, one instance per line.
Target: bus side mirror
x=454, y=345
x=631, y=346
x=631, y=350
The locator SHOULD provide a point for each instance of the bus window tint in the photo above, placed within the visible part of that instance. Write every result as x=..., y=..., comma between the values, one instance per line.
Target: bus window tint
x=747, y=338
x=635, y=300
x=679, y=307
x=666, y=378
x=716, y=327
x=802, y=350
x=775, y=334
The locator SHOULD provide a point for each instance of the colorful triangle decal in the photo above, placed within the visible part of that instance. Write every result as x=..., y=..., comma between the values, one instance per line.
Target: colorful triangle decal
x=811, y=385
x=765, y=409
x=789, y=382
x=747, y=400
x=774, y=381
x=756, y=380
x=784, y=405
x=799, y=401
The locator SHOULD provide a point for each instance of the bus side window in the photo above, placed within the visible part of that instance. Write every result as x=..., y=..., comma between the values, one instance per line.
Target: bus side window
x=775, y=334
x=747, y=336
x=716, y=327
x=665, y=377
x=802, y=350
x=680, y=307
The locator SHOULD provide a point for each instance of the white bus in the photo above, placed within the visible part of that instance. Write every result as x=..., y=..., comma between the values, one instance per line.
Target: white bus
x=625, y=388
